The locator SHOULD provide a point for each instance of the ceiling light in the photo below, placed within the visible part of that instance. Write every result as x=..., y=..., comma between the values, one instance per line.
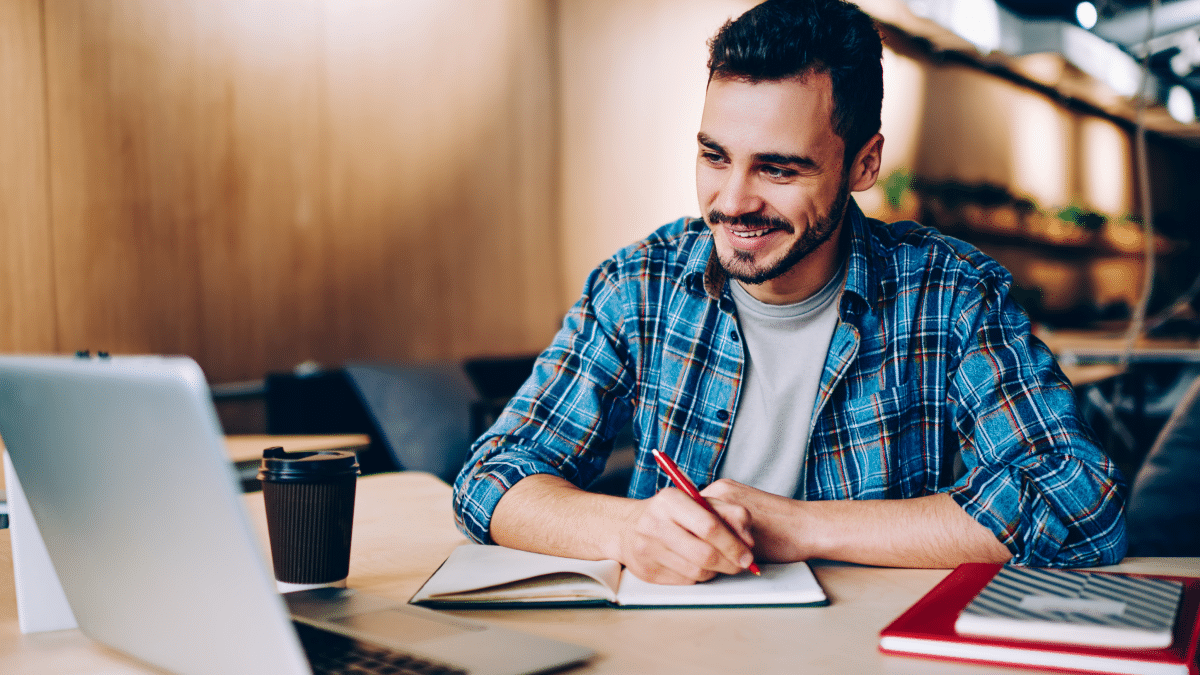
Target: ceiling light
x=1086, y=15
x=1181, y=65
x=1181, y=105
x=1188, y=57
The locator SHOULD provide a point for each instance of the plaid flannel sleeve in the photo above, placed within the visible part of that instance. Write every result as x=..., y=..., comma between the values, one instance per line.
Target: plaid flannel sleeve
x=1035, y=476
x=577, y=397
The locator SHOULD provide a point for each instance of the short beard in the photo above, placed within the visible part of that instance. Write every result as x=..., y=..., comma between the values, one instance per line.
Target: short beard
x=742, y=267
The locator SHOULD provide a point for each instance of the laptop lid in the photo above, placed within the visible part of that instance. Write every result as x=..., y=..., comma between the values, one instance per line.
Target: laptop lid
x=123, y=464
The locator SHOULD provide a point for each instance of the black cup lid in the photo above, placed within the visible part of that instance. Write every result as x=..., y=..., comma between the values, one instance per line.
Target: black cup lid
x=278, y=464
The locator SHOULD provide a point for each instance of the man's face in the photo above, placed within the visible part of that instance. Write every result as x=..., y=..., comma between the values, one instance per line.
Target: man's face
x=771, y=181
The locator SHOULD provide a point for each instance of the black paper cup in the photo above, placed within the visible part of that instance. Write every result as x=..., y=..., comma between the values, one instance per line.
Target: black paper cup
x=309, y=498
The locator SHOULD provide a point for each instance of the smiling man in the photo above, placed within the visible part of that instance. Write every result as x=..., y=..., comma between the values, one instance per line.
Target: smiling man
x=840, y=387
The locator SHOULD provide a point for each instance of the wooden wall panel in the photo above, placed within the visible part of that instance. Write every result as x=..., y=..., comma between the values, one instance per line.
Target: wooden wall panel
x=263, y=154
x=440, y=159
x=633, y=76
x=260, y=183
x=257, y=184
x=27, y=321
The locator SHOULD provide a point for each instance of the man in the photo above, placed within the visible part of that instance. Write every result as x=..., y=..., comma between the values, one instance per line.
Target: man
x=815, y=371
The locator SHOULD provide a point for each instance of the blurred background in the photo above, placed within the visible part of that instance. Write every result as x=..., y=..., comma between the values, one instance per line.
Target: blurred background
x=267, y=184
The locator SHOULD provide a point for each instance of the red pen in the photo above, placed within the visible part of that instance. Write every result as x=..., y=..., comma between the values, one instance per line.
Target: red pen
x=681, y=481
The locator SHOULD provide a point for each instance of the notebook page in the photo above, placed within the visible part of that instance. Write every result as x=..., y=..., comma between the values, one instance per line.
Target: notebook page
x=780, y=584
x=473, y=567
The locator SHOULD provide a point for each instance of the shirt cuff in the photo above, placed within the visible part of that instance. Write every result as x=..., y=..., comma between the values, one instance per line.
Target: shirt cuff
x=478, y=490
x=1016, y=512
x=1074, y=526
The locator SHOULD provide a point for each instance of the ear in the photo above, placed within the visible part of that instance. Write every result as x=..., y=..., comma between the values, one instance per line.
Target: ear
x=865, y=170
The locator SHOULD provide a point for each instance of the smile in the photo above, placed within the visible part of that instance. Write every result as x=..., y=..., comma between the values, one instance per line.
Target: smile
x=751, y=234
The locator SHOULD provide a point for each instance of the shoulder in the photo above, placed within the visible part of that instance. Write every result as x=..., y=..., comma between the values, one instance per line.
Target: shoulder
x=676, y=238
x=666, y=253
x=913, y=253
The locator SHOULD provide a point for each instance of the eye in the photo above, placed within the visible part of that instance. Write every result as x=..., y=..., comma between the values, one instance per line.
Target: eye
x=776, y=172
x=712, y=157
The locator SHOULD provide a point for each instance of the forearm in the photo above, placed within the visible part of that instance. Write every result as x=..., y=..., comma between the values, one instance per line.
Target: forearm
x=548, y=514
x=932, y=532
x=665, y=539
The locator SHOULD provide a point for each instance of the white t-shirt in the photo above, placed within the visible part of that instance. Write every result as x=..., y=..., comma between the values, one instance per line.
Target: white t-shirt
x=785, y=356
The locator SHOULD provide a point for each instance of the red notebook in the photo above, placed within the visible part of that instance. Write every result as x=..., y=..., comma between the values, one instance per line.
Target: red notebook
x=927, y=630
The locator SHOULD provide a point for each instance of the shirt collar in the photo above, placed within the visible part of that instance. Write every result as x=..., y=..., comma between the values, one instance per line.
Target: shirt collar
x=702, y=264
x=703, y=274
x=862, y=277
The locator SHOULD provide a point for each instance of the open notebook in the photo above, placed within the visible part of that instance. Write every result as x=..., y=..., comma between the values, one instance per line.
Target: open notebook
x=478, y=576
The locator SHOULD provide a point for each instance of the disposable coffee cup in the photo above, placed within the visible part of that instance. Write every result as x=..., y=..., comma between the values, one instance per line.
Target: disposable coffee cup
x=309, y=499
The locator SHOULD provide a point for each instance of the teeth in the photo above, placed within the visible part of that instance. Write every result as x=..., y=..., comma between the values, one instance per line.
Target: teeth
x=748, y=234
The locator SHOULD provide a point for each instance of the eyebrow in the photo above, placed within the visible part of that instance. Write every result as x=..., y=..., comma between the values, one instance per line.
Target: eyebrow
x=798, y=161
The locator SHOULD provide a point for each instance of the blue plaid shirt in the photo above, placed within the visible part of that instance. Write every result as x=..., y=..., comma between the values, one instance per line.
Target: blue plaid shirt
x=931, y=357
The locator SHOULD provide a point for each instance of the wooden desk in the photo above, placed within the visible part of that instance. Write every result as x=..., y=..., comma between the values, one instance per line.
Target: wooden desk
x=248, y=448
x=403, y=529
x=1090, y=356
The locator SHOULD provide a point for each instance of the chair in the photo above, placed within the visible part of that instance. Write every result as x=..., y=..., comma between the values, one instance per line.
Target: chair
x=421, y=412
x=420, y=417
x=323, y=402
x=1163, y=514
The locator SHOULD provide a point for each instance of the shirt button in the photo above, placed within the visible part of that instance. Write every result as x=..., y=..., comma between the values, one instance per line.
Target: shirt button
x=722, y=415
x=733, y=335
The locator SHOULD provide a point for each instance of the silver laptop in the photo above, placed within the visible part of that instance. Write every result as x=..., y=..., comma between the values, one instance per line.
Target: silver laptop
x=124, y=467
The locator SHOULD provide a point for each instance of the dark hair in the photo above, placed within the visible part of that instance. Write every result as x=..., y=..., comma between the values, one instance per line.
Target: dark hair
x=780, y=39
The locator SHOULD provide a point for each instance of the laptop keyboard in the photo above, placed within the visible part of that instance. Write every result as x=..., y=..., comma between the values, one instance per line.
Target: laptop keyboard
x=333, y=654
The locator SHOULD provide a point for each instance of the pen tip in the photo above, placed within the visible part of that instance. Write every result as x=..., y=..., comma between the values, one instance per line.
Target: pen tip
x=754, y=570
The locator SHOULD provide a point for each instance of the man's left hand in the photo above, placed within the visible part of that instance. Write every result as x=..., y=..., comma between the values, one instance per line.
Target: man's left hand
x=773, y=542
x=930, y=531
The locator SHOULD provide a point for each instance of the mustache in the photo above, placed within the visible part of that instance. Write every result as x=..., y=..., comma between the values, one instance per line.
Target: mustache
x=749, y=220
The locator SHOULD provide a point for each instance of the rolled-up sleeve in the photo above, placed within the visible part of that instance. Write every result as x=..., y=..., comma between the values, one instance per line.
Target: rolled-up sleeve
x=1035, y=476
x=577, y=397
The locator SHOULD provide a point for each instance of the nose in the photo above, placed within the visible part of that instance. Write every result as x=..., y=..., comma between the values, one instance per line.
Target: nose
x=737, y=195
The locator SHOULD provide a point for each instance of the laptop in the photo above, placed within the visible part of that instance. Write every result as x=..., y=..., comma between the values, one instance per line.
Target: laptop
x=123, y=463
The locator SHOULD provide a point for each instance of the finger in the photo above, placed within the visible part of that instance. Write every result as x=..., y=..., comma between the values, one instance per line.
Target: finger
x=673, y=522
x=737, y=518
x=655, y=544
x=730, y=499
x=715, y=545
x=699, y=555
x=728, y=491
x=670, y=568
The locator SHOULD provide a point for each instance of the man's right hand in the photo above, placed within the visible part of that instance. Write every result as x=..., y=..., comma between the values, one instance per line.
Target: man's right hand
x=666, y=539
x=673, y=540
